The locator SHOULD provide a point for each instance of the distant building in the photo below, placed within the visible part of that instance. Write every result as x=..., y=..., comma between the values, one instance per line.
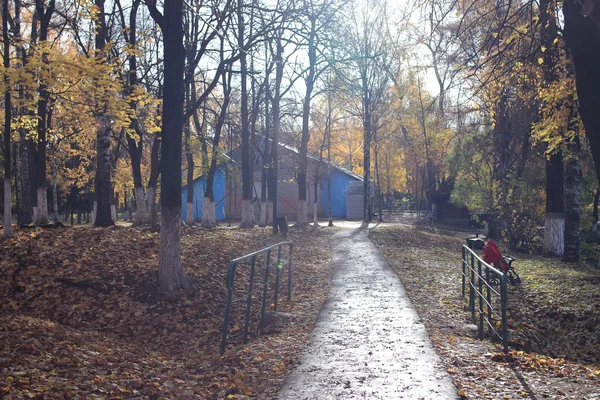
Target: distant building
x=341, y=178
x=219, y=191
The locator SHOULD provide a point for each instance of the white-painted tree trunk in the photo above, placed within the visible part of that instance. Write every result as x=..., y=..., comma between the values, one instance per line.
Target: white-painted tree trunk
x=151, y=203
x=113, y=212
x=315, y=215
x=262, y=222
x=247, y=214
x=34, y=209
x=189, y=213
x=8, y=231
x=302, y=214
x=554, y=231
x=42, y=212
x=54, y=191
x=209, y=214
x=94, y=208
x=141, y=211
x=171, y=277
x=270, y=214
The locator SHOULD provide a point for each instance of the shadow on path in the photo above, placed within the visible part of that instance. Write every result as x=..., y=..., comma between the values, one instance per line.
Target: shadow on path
x=368, y=341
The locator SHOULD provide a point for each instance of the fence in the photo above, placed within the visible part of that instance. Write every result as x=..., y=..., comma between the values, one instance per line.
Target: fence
x=280, y=266
x=483, y=279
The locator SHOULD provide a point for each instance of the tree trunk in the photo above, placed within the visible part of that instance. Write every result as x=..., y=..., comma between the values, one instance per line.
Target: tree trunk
x=595, y=209
x=151, y=202
x=141, y=212
x=274, y=171
x=153, y=180
x=24, y=212
x=555, y=209
x=367, y=165
x=8, y=231
x=102, y=183
x=582, y=34
x=44, y=14
x=209, y=213
x=378, y=184
x=189, y=215
x=329, y=202
x=572, y=202
x=172, y=280
x=247, y=178
x=303, y=163
x=135, y=144
x=54, y=191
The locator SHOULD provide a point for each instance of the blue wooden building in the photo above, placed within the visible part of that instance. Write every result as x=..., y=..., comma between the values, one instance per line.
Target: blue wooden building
x=219, y=190
x=340, y=180
x=288, y=187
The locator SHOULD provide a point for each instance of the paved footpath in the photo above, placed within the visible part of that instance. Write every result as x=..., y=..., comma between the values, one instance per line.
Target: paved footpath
x=369, y=342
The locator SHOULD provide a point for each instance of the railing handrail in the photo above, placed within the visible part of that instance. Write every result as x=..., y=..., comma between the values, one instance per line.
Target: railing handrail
x=494, y=270
x=233, y=263
x=229, y=282
x=478, y=292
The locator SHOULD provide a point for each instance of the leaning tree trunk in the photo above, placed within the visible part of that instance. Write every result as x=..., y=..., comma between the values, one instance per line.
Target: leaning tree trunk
x=555, y=208
x=172, y=280
x=572, y=202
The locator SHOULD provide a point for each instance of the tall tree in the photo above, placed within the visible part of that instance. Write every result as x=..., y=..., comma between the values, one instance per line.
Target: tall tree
x=102, y=182
x=582, y=35
x=8, y=232
x=172, y=280
x=555, y=208
x=44, y=12
x=247, y=175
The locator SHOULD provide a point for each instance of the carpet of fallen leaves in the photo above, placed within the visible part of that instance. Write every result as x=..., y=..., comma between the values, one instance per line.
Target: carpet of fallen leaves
x=553, y=320
x=79, y=318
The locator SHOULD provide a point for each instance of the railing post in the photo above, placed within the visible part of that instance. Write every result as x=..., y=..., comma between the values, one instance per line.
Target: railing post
x=249, y=299
x=472, y=288
x=229, y=280
x=489, y=301
x=263, y=306
x=290, y=253
x=464, y=269
x=277, y=270
x=480, y=295
x=504, y=301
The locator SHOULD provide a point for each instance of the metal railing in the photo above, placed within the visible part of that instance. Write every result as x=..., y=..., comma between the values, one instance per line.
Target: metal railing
x=482, y=280
x=279, y=266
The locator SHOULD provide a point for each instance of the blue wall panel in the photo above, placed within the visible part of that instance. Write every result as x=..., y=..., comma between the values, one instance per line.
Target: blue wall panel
x=199, y=188
x=339, y=187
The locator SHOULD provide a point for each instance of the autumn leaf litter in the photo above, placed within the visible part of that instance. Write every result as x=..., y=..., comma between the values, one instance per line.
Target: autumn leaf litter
x=80, y=319
x=428, y=264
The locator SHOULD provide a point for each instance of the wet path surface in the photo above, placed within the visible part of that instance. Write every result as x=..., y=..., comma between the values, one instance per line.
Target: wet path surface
x=369, y=342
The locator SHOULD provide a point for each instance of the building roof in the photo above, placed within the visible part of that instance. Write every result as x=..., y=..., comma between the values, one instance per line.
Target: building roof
x=332, y=164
